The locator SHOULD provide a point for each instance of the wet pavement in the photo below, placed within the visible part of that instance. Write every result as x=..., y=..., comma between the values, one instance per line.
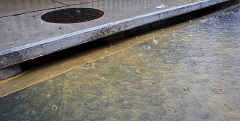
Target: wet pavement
x=189, y=74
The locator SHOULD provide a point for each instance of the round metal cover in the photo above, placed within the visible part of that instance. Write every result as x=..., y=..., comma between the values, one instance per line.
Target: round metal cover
x=72, y=15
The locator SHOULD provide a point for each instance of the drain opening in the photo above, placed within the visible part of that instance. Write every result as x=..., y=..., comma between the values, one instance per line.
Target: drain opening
x=72, y=15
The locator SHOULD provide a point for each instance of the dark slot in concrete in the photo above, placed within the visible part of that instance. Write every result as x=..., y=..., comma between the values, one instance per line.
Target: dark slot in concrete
x=72, y=15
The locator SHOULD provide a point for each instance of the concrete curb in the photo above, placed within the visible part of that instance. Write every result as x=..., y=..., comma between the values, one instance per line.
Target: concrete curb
x=10, y=71
x=26, y=52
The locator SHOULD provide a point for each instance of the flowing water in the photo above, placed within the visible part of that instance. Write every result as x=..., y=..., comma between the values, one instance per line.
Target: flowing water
x=189, y=74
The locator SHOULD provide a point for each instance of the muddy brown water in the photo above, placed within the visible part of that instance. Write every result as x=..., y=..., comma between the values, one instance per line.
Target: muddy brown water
x=188, y=74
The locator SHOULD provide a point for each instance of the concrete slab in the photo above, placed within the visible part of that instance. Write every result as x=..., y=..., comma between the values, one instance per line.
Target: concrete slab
x=16, y=7
x=13, y=7
x=26, y=36
x=72, y=2
x=189, y=74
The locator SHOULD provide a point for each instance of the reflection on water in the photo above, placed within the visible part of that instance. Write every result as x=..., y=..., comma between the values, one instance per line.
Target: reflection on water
x=190, y=74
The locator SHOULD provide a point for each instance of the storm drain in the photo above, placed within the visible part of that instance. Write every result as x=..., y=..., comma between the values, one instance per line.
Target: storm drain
x=72, y=15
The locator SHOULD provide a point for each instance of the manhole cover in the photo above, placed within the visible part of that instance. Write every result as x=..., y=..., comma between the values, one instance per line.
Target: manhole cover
x=72, y=15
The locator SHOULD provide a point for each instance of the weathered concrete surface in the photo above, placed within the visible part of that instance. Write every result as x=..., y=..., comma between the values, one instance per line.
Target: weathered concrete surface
x=190, y=74
x=17, y=7
x=74, y=2
x=26, y=36
x=13, y=7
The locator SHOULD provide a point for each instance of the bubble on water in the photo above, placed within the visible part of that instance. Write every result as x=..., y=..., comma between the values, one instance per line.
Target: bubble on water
x=37, y=118
x=71, y=91
x=63, y=101
x=54, y=107
x=34, y=112
x=98, y=92
x=79, y=87
x=103, y=79
x=48, y=95
x=162, y=94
